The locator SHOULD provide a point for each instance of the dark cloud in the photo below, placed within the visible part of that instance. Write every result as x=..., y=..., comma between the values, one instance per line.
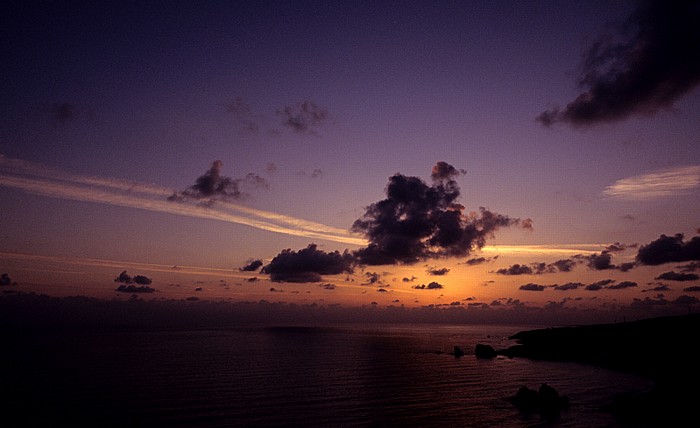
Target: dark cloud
x=668, y=249
x=316, y=173
x=373, y=278
x=243, y=115
x=624, y=267
x=63, y=112
x=516, y=269
x=527, y=224
x=127, y=283
x=135, y=289
x=307, y=265
x=253, y=279
x=617, y=247
x=214, y=185
x=678, y=276
x=382, y=290
x=563, y=265
x=252, y=265
x=568, y=286
x=411, y=279
x=438, y=272
x=476, y=261
x=651, y=62
x=690, y=267
x=686, y=301
x=600, y=261
x=418, y=221
x=622, y=285
x=692, y=289
x=432, y=286
x=659, y=287
x=304, y=117
x=327, y=286
x=594, y=287
x=532, y=287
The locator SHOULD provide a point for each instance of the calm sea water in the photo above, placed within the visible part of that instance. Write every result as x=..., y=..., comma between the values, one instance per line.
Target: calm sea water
x=364, y=376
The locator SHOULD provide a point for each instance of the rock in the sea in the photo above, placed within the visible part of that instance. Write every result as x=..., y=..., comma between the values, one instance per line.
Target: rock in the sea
x=525, y=399
x=484, y=351
x=546, y=400
x=458, y=352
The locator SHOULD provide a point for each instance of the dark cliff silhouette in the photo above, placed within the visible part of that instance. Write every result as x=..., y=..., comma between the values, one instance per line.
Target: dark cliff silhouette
x=662, y=349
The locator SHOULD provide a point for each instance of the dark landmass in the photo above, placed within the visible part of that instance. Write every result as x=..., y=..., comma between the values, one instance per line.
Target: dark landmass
x=661, y=349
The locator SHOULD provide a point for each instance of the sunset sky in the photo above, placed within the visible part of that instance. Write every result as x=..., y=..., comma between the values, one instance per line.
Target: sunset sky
x=181, y=141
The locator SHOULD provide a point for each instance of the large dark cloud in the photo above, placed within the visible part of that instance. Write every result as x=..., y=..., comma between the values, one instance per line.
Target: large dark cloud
x=669, y=249
x=212, y=184
x=417, y=221
x=307, y=265
x=303, y=118
x=678, y=276
x=652, y=61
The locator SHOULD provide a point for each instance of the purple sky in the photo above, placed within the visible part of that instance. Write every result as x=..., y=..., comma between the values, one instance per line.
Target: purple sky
x=555, y=113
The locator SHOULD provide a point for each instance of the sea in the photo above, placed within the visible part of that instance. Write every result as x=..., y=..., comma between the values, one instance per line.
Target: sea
x=392, y=375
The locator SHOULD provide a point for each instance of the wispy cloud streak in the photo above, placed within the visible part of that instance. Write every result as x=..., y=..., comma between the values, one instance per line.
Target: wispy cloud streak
x=45, y=181
x=667, y=182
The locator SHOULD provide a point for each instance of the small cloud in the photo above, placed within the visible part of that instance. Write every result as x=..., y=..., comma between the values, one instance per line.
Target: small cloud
x=252, y=265
x=271, y=168
x=568, y=286
x=432, y=286
x=622, y=285
x=214, y=185
x=516, y=269
x=678, y=276
x=411, y=279
x=692, y=289
x=243, y=115
x=476, y=261
x=303, y=118
x=532, y=287
x=438, y=272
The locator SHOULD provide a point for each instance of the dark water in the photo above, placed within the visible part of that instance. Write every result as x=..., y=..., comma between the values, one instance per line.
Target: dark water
x=340, y=376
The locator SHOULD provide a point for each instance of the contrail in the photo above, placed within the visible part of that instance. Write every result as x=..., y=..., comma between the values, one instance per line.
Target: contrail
x=45, y=181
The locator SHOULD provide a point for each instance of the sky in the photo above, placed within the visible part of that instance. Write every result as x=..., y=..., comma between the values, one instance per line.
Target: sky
x=480, y=156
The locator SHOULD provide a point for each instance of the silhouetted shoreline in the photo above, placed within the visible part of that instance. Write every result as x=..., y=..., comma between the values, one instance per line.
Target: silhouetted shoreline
x=661, y=349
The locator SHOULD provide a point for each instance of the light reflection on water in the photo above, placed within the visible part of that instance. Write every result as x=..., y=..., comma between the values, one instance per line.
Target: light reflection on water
x=394, y=375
